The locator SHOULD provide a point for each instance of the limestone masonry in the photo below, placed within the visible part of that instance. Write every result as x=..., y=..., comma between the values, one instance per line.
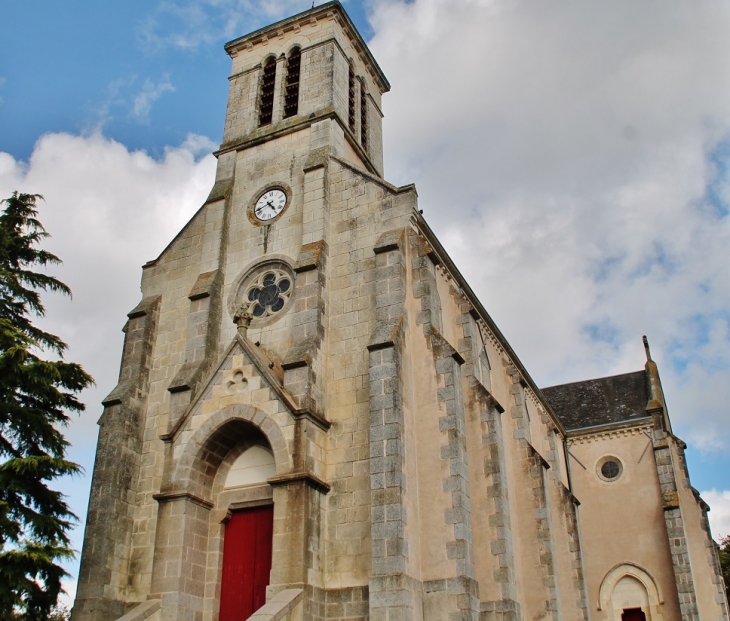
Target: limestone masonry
x=317, y=419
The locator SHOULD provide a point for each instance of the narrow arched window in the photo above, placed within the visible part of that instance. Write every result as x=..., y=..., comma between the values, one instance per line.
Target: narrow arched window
x=351, y=99
x=484, y=367
x=266, y=109
x=363, y=117
x=291, y=99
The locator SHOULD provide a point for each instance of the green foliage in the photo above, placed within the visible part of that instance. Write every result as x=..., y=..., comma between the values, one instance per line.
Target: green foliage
x=724, y=553
x=35, y=396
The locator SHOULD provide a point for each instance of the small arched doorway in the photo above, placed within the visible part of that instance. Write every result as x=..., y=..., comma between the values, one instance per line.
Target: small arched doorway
x=629, y=593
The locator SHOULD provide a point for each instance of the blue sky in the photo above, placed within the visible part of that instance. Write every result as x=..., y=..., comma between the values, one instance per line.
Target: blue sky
x=79, y=65
x=573, y=159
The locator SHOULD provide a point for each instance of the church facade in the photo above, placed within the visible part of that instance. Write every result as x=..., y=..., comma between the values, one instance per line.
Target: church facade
x=316, y=418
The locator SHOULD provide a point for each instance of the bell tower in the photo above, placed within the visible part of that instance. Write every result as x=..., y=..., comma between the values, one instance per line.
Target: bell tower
x=310, y=72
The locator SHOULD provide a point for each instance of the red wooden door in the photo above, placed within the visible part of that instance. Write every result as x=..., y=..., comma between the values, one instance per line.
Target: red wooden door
x=246, y=562
x=633, y=614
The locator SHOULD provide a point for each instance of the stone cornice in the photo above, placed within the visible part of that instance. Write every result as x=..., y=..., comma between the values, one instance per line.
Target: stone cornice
x=290, y=126
x=300, y=477
x=171, y=496
x=602, y=432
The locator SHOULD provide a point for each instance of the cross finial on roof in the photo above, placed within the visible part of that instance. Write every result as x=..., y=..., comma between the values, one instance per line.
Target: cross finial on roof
x=646, y=348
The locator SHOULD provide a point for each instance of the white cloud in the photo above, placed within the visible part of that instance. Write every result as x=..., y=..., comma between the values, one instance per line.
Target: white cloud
x=574, y=159
x=150, y=93
x=720, y=512
x=109, y=210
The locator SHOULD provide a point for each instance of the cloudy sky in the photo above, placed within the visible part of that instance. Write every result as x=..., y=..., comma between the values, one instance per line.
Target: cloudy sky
x=574, y=158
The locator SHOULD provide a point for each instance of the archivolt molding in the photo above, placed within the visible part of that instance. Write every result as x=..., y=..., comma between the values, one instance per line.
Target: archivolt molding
x=235, y=412
x=635, y=571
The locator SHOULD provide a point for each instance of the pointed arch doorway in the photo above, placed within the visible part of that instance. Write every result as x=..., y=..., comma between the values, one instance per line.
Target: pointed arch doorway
x=247, y=547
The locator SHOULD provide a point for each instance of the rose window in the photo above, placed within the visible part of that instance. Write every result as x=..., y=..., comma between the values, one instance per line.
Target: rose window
x=269, y=293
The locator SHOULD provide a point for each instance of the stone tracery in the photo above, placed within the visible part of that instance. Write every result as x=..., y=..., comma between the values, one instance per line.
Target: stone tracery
x=269, y=293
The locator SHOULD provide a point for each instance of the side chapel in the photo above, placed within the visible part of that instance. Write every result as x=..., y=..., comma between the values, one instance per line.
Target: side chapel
x=316, y=418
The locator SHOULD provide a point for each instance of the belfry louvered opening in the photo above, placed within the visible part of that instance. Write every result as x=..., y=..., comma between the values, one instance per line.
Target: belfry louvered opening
x=266, y=110
x=351, y=100
x=291, y=98
x=363, y=117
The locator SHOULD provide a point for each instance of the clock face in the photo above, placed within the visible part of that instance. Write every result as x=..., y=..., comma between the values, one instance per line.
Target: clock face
x=270, y=204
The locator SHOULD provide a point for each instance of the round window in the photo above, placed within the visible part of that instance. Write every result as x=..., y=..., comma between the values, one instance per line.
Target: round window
x=264, y=292
x=609, y=468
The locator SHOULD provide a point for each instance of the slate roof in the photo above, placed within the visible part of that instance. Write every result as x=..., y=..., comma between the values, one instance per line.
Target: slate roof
x=599, y=401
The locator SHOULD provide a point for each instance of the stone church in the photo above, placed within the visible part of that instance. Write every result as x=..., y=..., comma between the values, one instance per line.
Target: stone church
x=316, y=418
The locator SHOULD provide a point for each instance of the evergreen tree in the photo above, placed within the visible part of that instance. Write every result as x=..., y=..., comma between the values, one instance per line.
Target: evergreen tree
x=36, y=395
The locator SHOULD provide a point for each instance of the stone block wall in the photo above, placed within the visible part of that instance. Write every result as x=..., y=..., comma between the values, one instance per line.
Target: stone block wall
x=676, y=533
x=106, y=571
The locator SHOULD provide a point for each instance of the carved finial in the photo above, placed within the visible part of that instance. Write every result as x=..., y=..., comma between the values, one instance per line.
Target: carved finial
x=242, y=318
x=646, y=348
